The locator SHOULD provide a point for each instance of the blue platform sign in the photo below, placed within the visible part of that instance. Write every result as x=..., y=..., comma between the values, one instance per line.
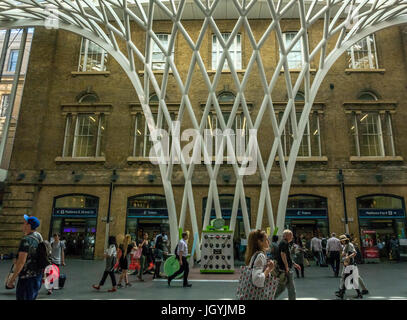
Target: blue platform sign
x=227, y=213
x=381, y=213
x=306, y=213
x=147, y=213
x=75, y=212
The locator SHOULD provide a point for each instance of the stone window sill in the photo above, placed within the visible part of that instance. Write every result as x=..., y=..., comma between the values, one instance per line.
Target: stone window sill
x=375, y=159
x=80, y=159
x=349, y=71
x=308, y=159
x=212, y=72
x=138, y=159
x=90, y=73
x=313, y=71
x=141, y=72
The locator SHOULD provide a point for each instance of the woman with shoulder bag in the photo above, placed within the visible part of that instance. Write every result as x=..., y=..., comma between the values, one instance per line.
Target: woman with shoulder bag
x=110, y=255
x=256, y=281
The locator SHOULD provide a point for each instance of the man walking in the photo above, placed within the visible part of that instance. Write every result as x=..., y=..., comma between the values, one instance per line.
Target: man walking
x=57, y=253
x=333, y=249
x=316, y=248
x=26, y=269
x=285, y=264
x=181, y=253
x=395, y=248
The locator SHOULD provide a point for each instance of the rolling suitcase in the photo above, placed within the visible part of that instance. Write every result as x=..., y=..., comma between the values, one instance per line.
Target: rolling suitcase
x=62, y=279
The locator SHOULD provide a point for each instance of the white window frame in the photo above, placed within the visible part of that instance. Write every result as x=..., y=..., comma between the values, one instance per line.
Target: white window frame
x=17, y=51
x=98, y=135
x=4, y=108
x=379, y=134
x=156, y=48
x=372, y=65
x=307, y=135
x=240, y=122
x=236, y=54
x=145, y=135
x=85, y=53
x=292, y=51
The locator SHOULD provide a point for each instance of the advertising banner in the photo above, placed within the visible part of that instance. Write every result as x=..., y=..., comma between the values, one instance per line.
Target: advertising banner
x=369, y=245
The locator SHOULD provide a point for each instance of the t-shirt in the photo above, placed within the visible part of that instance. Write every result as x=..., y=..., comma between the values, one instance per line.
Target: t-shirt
x=182, y=246
x=284, y=247
x=29, y=244
x=56, y=254
x=348, y=249
x=144, y=250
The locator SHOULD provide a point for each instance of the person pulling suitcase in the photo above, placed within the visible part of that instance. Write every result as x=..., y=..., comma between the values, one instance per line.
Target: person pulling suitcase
x=58, y=258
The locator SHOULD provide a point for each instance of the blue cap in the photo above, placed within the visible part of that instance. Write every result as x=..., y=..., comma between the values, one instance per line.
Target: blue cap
x=33, y=221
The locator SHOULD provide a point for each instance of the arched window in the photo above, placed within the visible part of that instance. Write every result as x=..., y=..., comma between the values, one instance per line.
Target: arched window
x=147, y=201
x=367, y=96
x=300, y=97
x=226, y=97
x=154, y=98
x=76, y=201
x=380, y=201
x=305, y=201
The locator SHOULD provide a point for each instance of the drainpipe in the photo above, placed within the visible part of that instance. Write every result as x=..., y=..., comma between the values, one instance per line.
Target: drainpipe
x=108, y=215
x=341, y=179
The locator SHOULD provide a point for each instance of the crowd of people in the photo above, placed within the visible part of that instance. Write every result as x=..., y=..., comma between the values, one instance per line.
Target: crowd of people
x=127, y=257
x=279, y=259
x=266, y=257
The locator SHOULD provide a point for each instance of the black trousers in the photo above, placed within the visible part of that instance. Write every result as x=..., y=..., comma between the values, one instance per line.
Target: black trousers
x=184, y=268
x=334, y=258
x=112, y=277
x=302, y=270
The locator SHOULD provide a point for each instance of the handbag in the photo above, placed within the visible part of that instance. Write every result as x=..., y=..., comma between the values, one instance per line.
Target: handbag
x=137, y=253
x=246, y=290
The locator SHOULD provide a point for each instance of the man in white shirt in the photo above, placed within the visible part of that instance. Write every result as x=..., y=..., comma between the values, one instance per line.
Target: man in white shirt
x=182, y=253
x=316, y=248
x=333, y=249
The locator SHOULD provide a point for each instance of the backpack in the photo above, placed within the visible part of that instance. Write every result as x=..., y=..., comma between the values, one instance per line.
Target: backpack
x=175, y=251
x=43, y=254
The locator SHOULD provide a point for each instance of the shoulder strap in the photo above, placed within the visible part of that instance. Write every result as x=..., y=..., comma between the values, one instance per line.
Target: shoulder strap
x=34, y=237
x=254, y=258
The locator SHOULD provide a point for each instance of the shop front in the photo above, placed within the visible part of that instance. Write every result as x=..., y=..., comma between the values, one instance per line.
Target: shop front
x=380, y=218
x=307, y=215
x=74, y=217
x=226, y=205
x=147, y=213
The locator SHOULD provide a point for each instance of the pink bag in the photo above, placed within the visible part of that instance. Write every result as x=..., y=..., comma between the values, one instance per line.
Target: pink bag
x=137, y=253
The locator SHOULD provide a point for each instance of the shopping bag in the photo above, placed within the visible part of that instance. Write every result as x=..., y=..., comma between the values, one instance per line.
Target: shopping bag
x=246, y=290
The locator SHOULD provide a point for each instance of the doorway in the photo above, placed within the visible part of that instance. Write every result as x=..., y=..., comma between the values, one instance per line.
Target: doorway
x=79, y=236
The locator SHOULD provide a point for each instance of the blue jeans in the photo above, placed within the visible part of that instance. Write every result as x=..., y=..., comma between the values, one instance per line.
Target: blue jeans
x=27, y=289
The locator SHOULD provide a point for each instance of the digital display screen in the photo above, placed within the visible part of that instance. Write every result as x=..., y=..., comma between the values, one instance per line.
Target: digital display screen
x=217, y=251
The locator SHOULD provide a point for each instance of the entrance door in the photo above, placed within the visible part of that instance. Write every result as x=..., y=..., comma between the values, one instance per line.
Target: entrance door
x=79, y=235
x=307, y=229
x=152, y=229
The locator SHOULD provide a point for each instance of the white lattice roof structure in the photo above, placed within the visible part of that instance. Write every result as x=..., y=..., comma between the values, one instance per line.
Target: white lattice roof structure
x=108, y=22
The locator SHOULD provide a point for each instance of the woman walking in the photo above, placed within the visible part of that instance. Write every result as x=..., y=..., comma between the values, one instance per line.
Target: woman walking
x=124, y=257
x=257, y=246
x=298, y=253
x=349, y=268
x=158, y=256
x=110, y=255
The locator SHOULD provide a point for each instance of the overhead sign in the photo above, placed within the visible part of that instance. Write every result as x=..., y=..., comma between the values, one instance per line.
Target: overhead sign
x=75, y=212
x=381, y=213
x=227, y=213
x=306, y=213
x=147, y=213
